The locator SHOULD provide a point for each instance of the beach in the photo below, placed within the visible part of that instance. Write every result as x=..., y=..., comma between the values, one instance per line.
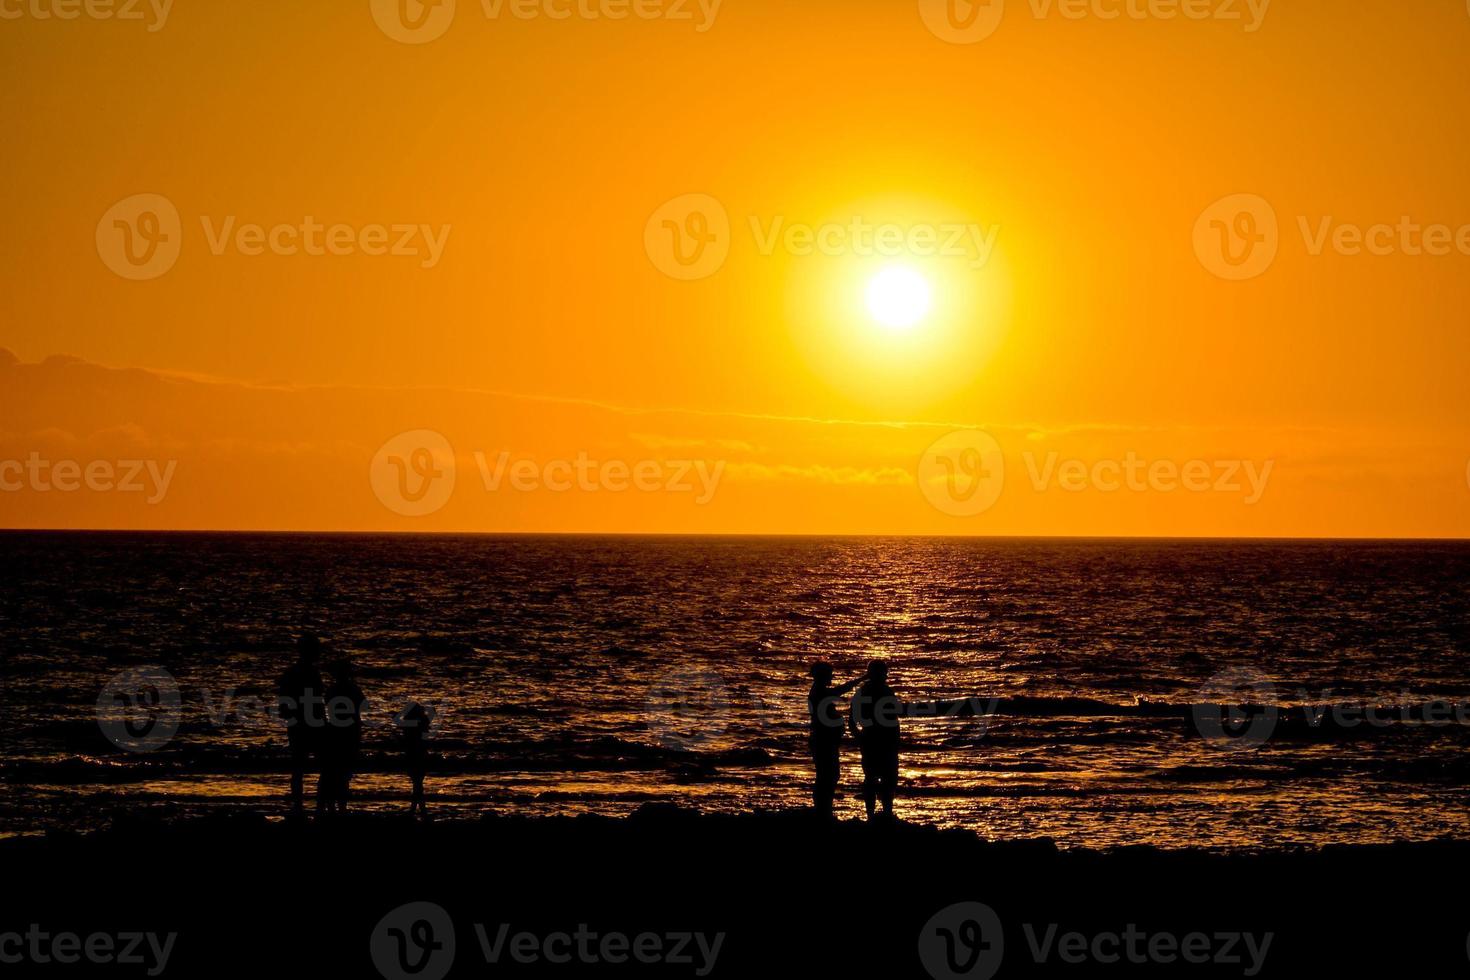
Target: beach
x=771, y=892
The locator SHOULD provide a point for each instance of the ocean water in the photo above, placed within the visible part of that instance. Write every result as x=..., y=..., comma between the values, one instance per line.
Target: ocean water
x=585, y=674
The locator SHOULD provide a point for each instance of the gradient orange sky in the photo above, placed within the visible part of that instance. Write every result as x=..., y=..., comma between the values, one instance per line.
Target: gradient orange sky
x=539, y=147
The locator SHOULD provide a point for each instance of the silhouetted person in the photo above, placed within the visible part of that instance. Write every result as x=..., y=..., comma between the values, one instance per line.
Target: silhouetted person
x=874, y=720
x=826, y=735
x=415, y=723
x=342, y=742
x=299, y=697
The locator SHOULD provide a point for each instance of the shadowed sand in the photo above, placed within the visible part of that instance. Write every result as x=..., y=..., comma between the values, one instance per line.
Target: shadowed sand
x=786, y=890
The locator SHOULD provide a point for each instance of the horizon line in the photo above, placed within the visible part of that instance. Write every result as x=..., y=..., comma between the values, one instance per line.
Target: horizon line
x=242, y=532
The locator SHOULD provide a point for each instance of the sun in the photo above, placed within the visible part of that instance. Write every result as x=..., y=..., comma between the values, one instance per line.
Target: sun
x=899, y=298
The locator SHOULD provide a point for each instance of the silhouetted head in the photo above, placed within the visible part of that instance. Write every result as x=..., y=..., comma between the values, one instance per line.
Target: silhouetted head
x=821, y=672
x=341, y=670
x=308, y=648
x=878, y=670
x=417, y=716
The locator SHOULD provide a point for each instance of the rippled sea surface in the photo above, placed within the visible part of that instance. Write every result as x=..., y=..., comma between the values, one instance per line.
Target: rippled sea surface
x=583, y=674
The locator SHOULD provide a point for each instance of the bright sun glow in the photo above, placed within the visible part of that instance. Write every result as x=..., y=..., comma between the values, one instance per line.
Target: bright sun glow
x=899, y=298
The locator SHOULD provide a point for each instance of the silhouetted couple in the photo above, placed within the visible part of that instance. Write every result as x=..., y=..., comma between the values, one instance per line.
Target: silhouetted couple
x=322, y=720
x=873, y=720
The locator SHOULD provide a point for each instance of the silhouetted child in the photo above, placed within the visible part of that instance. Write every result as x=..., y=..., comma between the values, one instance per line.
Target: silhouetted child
x=342, y=743
x=415, y=722
x=299, y=693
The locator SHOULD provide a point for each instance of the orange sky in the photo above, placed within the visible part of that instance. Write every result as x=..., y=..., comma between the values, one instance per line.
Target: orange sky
x=1069, y=158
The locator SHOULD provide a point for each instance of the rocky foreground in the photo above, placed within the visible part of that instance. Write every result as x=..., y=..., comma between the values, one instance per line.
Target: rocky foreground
x=670, y=892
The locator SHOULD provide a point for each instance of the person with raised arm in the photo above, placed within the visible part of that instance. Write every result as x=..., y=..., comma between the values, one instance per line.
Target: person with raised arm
x=826, y=735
